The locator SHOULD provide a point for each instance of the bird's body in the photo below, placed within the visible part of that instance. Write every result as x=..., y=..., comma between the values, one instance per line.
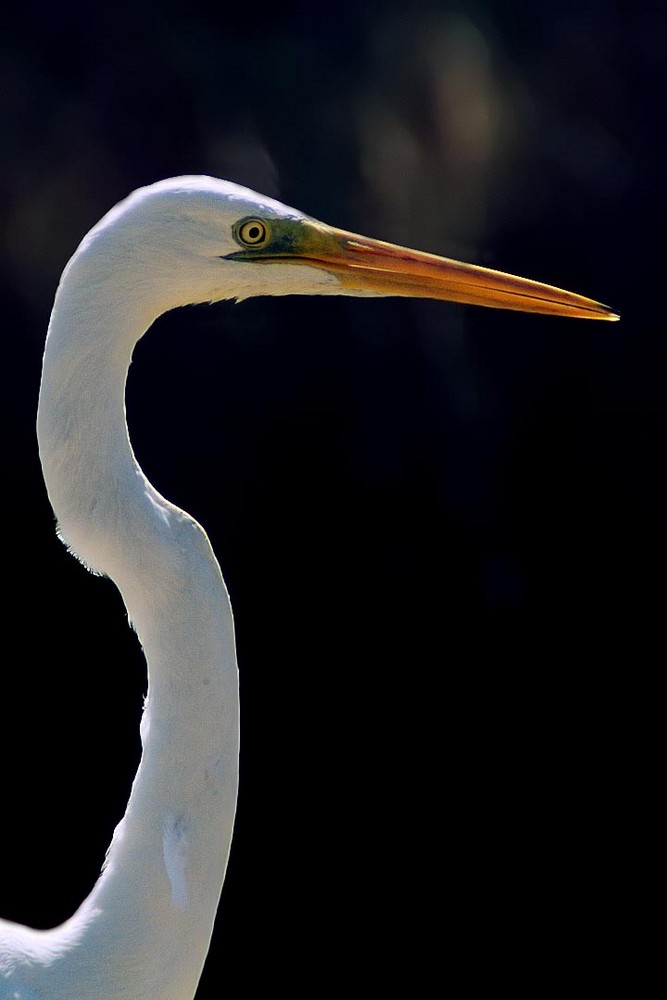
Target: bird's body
x=145, y=928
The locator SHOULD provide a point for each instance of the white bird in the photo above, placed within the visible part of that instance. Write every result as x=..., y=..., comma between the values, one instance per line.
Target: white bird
x=144, y=930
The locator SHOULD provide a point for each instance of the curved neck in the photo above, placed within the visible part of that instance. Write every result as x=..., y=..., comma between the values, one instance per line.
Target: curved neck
x=151, y=912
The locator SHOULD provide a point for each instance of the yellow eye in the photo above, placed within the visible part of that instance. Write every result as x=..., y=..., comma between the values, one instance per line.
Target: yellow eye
x=253, y=232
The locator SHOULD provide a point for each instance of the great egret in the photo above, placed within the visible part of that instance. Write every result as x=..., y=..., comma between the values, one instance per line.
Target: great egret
x=144, y=930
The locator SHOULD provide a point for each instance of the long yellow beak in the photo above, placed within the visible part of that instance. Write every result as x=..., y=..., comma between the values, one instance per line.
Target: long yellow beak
x=373, y=267
x=385, y=269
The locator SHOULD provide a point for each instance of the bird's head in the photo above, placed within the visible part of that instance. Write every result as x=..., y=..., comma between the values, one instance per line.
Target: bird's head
x=198, y=239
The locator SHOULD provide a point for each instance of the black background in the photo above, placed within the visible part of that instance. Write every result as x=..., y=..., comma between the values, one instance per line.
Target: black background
x=442, y=528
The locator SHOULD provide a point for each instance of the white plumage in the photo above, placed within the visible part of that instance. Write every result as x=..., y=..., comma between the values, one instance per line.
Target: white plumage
x=144, y=931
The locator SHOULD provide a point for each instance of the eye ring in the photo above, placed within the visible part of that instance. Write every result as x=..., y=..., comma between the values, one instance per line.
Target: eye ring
x=252, y=232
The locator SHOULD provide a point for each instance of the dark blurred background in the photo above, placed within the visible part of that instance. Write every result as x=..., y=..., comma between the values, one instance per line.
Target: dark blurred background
x=442, y=527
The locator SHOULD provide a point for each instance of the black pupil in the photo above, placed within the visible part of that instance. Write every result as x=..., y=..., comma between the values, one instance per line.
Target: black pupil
x=254, y=233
